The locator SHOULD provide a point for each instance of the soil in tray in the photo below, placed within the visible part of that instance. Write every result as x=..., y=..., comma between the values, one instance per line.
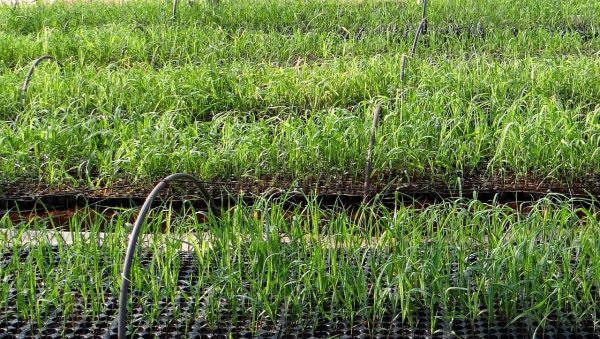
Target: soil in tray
x=386, y=184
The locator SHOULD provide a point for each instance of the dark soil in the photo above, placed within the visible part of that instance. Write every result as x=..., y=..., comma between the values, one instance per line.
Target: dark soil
x=386, y=185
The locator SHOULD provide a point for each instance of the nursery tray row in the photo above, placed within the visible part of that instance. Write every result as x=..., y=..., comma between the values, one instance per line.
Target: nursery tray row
x=478, y=30
x=25, y=195
x=181, y=318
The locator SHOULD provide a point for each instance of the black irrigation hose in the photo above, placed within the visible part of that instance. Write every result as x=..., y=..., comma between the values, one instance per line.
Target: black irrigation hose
x=25, y=85
x=419, y=30
x=413, y=50
x=139, y=27
x=369, y=168
x=135, y=233
x=403, y=67
x=174, y=10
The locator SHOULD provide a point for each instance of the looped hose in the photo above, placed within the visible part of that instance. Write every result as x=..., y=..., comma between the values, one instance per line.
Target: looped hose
x=37, y=61
x=135, y=233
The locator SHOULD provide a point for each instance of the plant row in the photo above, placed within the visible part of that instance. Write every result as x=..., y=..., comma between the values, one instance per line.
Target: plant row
x=60, y=148
x=214, y=87
x=287, y=16
x=458, y=260
x=529, y=117
x=159, y=45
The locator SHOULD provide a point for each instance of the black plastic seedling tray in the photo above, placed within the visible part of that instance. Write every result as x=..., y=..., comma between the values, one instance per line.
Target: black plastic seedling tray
x=179, y=319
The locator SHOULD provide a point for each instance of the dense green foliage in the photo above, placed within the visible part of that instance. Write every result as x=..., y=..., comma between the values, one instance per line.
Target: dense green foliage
x=252, y=88
x=457, y=260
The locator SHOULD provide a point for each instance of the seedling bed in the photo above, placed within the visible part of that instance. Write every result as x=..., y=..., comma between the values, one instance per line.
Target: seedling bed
x=183, y=317
x=476, y=214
